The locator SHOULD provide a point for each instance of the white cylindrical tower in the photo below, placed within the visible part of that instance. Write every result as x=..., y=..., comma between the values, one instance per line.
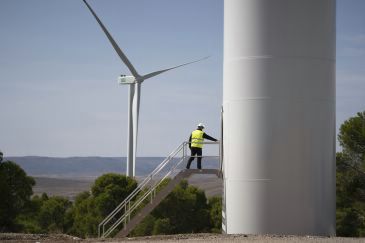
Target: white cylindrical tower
x=279, y=116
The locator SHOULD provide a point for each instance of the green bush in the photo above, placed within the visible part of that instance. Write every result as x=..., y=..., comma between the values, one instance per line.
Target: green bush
x=108, y=191
x=215, y=206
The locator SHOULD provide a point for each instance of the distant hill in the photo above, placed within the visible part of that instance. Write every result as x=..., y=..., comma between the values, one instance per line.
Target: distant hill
x=69, y=176
x=74, y=167
x=81, y=166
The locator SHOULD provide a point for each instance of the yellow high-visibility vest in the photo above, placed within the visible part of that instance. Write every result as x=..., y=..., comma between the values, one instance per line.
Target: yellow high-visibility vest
x=197, y=139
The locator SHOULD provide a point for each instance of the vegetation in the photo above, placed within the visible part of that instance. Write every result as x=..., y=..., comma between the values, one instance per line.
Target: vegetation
x=215, y=214
x=350, y=178
x=185, y=210
x=91, y=208
x=16, y=190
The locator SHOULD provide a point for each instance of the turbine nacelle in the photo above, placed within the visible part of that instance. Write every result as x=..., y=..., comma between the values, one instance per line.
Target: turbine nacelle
x=124, y=79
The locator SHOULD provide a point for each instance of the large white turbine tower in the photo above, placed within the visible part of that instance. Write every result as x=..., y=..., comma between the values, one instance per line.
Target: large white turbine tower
x=279, y=117
x=134, y=83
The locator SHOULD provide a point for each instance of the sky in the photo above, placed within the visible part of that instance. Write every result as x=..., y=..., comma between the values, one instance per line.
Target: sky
x=58, y=85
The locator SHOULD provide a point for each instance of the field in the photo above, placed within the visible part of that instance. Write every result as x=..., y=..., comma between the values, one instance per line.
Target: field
x=66, y=187
x=70, y=187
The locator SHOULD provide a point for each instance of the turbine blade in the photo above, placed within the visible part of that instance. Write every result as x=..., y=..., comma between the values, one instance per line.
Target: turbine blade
x=150, y=75
x=114, y=44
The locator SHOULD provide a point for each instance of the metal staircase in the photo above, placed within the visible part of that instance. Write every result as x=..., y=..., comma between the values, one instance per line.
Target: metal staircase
x=151, y=191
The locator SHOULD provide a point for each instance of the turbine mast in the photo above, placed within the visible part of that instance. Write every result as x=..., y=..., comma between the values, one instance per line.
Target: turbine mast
x=134, y=96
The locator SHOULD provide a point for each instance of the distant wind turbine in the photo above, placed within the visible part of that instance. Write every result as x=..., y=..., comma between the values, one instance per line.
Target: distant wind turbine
x=134, y=83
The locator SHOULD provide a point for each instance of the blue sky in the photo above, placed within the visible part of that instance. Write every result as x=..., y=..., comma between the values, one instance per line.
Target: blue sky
x=58, y=85
x=350, y=59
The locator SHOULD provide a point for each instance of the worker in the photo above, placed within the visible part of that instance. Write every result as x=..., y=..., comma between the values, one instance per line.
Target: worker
x=196, y=144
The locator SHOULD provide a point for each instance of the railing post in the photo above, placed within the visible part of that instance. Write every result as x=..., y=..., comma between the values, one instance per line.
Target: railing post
x=129, y=211
x=125, y=213
x=183, y=151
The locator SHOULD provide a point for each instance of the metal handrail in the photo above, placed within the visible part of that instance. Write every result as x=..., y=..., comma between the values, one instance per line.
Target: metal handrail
x=129, y=205
x=139, y=188
x=139, y=202
x=142, y=184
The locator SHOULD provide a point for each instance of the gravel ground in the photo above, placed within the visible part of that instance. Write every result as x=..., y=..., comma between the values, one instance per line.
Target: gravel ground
x=16, y=237
x=12, y=237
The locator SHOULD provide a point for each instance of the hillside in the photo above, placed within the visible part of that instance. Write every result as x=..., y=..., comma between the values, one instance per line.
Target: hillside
x=80, y=167
x=70, y=187
x=69, y=176
x=76, y=167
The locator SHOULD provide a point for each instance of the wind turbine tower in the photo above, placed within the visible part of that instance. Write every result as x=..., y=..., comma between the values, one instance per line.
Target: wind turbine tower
x=279, y=117
x=135, y=82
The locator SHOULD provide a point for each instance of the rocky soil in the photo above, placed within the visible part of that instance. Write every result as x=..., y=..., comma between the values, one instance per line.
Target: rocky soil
x=17, y=237
x=181, y=238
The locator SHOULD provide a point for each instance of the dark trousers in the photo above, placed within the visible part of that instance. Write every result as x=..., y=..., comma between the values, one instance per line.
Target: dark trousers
x=195, y=151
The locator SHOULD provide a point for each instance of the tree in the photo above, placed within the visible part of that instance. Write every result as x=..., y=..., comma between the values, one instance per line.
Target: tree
x=162, y=227
x=16, y=190
x=349, y=223
x=215, y=211
x=352, y=137
x=145, y=227
x=350, y=178
x=46, y=215
x=184, y=210
x=85, y=216
x=108, y=191
x=28, y=219
x=52, y=214
x=111, y=189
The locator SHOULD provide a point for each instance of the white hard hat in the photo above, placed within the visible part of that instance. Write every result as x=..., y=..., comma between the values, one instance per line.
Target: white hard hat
x=201, y=125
